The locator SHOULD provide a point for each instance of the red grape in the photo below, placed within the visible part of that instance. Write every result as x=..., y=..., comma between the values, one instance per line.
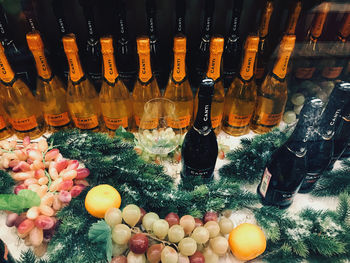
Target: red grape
x=44, y=222
x=39, y=173
x=198, y=222
x=61, y=165
x=197, y=258
x=76, y=190
x=51, y=155
x=210, y=216
x=119, y=259
x=172, y=219
x=138, y=243
x=82, y=173
x=21, y=167
x=25, y=227
x=11, y=219
x=65, y=196
x=20, y=219
x=26, y=141
x=19, y=188
x=72, y=165
x=154, y=253
x=65, y=185
x=143, y=212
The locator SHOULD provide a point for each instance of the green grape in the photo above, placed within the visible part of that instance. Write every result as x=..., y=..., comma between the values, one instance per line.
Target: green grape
x=183, y=259
x=210, y=256
x=148, y=220
x=289, y=117
x=298, y=99
x=160, y=228
x=297, y=109
x=176, y=233
x=136, y=258
x=188, y=223
x=131, y=215
x=227, y=213
x=226, y=225
x=121, y=234
x=113, y=216
x=200, y=235
x=213, y=228
x=219, y=245
x=187, y=246
x=119, y=249
x=169, y=255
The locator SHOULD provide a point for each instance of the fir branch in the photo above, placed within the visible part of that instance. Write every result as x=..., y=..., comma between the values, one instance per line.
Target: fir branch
x=6, y=183
x=27, y=257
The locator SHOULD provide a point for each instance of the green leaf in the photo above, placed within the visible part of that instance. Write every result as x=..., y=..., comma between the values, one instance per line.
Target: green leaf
x=18, y=203
x=101, y=233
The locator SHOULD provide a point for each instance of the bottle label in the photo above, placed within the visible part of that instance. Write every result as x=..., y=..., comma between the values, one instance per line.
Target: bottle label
x=309, y=180
x=270, y=120
x=146, y=124
x=179, y=70
x=179, y=122
x=188, y=171
x=304, y=73
x=145, y=72
x=280, y=68
x=86, y=123
x=331, y=72
x=115, y=123
x=247, y=70
x=216, y=121
x=259, y=73
x=42, y=66
x=2, y=123
x=109, y=68
x=265, y=182
x=24, y=124
x=75, y=70
x=216, y=49
x=57, y=120
x=239, y=120
x=6, y=73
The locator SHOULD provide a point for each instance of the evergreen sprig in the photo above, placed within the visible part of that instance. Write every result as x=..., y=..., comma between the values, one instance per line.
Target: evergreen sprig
x=6, y=183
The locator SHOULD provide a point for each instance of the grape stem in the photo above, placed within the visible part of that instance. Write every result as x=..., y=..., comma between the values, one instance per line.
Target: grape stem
x=137, y=230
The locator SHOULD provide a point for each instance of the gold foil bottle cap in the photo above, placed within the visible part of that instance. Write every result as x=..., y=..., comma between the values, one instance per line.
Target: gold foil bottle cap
x=287, y=43
x=216, y=45
x=34, y=41
x=70, y=43
x=265, y=19
x=180, y=44
x=320, y=19
x=143, y=45
x=106, y=45
x=252, y=44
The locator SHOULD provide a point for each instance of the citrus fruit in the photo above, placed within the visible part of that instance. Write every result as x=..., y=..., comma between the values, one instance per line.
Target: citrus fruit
x=100, y=198
x=247, y=241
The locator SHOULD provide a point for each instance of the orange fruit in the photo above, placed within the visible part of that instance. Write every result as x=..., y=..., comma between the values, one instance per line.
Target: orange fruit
x=100, y=198
x=247, y=241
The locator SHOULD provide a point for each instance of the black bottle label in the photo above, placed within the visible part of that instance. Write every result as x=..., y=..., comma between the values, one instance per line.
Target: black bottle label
x=265, y=182
x=310, y=180
x=207, y=173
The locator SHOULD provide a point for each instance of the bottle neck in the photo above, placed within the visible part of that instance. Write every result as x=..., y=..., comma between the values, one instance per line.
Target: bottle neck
x=6, y=73
x=76, y=72
x=59, y=14
x=151, y=19
x=180, y=16
x=317, y=25
x=208, y=20
x=110, y=72
x=3, y=24
x=247, y=69
x=42, y=66
x=202, y=123
x=145, y=71
x=179, y=70
x=265, y=20
x=293, y=19
x=214, y=65
x=280, y=68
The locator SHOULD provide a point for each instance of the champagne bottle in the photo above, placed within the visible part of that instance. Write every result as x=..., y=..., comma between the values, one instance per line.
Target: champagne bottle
x=92, y=51
x=50, y=91
x=232, y=51
x=335, y=56
x=178, y=89
x=29, y=13
x=286, y=168
x=262, y=57
x=180, y=17
x=82, y=98
x=307, y=55
x=241, y=96
x=321, y=145
x=126, y=62
x=202, y=56
x=272, y=94
x=5, y=129
x=146, y=87
x=19, y=103
x=217, y=107
x=200, y=149
x=58, y=55
x=293, y=18
x=342, y=136
x=114, y=96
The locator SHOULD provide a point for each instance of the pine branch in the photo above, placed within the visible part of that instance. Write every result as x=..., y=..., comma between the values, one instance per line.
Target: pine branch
x=27, y=257
x=6, y=183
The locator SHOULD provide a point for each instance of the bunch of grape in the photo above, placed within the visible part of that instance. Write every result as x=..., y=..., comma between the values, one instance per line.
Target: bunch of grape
x=56, y=180
x=139, y=236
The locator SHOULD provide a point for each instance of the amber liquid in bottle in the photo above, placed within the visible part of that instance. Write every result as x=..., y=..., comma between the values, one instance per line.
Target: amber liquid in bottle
x=50, y=91
x=178, y=89
x=115, y=100
x=272, y=95
x=217, y=106
x=241, y=96
x=5, y=130
x=24, y=111
x=146, y=87
x=82, y=98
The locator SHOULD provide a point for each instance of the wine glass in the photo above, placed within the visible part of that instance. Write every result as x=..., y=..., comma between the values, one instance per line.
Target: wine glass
x=155, y=132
